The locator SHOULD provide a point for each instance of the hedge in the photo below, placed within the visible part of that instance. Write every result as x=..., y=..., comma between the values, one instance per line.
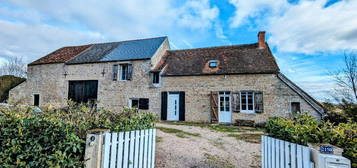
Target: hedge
x=56, y=137
x=304, y=129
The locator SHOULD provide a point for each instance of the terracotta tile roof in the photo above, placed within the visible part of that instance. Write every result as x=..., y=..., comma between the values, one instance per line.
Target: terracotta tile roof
x=237, y=59
x=61, y=55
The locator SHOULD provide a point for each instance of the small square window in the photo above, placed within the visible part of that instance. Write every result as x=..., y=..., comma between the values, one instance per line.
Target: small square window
x=142, y=103
x=213, y=64
x=295, y=107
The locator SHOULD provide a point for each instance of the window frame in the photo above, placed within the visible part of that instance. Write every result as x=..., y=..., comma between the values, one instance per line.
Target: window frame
x=153, y=78
x=213, y=62
x=246, y=102
x=291, y=107
x=121, y=72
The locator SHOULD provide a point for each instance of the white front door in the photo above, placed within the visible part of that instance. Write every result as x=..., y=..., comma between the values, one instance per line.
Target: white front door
x=224, y=106
x=173, y=107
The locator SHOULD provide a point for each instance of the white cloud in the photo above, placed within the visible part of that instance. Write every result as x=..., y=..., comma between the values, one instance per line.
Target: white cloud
x=196, y=14
x=246, y=9
x=37, y=27
x=34, y=41
x=306, y=27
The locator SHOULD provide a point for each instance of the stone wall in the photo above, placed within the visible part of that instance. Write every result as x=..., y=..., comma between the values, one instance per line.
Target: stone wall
x=277, y=97
x=51, y=82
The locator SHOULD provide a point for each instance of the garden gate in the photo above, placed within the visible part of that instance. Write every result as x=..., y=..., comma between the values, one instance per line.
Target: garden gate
x=277, y=153
x=132, y=149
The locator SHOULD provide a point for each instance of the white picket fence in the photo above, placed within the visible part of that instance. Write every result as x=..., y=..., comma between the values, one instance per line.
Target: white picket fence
x=277, y=153
x=134, y=149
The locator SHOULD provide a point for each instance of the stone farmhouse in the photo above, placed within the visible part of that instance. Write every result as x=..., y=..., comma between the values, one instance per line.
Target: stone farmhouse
x=215, y=84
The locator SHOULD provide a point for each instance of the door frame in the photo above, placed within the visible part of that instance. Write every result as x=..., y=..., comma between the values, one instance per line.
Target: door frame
x=230, y=105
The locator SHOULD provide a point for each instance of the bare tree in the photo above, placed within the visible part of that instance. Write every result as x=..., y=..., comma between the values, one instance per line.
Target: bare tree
x=346, y=78
x=14, y=66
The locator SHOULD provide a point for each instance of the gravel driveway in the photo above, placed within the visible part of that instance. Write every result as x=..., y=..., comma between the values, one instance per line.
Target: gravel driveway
x=187, y=146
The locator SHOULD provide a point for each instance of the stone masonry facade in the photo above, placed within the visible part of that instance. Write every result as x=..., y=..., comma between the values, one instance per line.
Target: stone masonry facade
x=51, y=82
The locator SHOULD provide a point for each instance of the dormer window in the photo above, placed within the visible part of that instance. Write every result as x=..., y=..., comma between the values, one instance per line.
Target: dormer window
x=213, y=63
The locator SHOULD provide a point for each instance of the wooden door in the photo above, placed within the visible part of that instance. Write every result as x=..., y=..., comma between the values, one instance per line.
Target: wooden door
x=83, y=91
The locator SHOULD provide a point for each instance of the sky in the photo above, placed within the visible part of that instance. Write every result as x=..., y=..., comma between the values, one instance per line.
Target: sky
x=307, y=37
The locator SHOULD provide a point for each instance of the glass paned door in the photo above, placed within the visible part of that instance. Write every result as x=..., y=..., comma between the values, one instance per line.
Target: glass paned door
x=225, y=114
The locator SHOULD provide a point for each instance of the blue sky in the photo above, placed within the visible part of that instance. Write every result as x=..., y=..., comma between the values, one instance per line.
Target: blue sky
x=307, y=37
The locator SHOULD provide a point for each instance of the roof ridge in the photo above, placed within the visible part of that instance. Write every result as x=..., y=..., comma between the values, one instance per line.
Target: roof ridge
x=213, y=47
x=80, y=53
x=117, y=41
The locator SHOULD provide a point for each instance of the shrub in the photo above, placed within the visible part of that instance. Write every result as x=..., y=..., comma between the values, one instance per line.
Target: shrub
x=56, y=137
x=34, y=141
x=305, y=129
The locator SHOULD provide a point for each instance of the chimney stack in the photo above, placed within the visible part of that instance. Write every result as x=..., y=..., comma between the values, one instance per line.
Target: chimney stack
x=261, y=40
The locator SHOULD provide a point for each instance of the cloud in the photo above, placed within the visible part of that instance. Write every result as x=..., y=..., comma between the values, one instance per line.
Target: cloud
x=246, y=9
x=196, y=14
x=34, y=41
x=34, y=28
x=305, y=27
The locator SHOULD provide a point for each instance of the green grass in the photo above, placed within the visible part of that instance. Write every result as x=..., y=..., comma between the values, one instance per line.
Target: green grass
x=158, y=139
x=217, y=127
x=179, y=133
x=251, y=138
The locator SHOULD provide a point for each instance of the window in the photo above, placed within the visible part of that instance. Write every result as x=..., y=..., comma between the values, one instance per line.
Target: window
x=213, y=63
x=247, y=102
x=122, y=72
x=125, y=71
x=36, y=99
x=141, y=103
x=295, y=107
x=156, y=77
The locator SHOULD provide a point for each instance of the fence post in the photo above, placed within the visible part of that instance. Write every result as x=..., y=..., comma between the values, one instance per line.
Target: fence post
x=93, y=150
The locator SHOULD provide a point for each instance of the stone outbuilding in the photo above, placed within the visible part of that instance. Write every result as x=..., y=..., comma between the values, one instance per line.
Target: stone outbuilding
x=216, y=84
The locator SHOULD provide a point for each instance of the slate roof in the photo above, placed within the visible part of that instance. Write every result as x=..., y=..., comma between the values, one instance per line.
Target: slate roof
x=104, y=52
x=236, y=59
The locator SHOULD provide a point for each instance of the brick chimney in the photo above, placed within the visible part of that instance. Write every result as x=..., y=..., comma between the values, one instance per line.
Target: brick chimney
x=261, y=40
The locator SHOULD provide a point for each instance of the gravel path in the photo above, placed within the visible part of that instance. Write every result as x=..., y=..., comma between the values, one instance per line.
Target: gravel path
x=204, y=148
